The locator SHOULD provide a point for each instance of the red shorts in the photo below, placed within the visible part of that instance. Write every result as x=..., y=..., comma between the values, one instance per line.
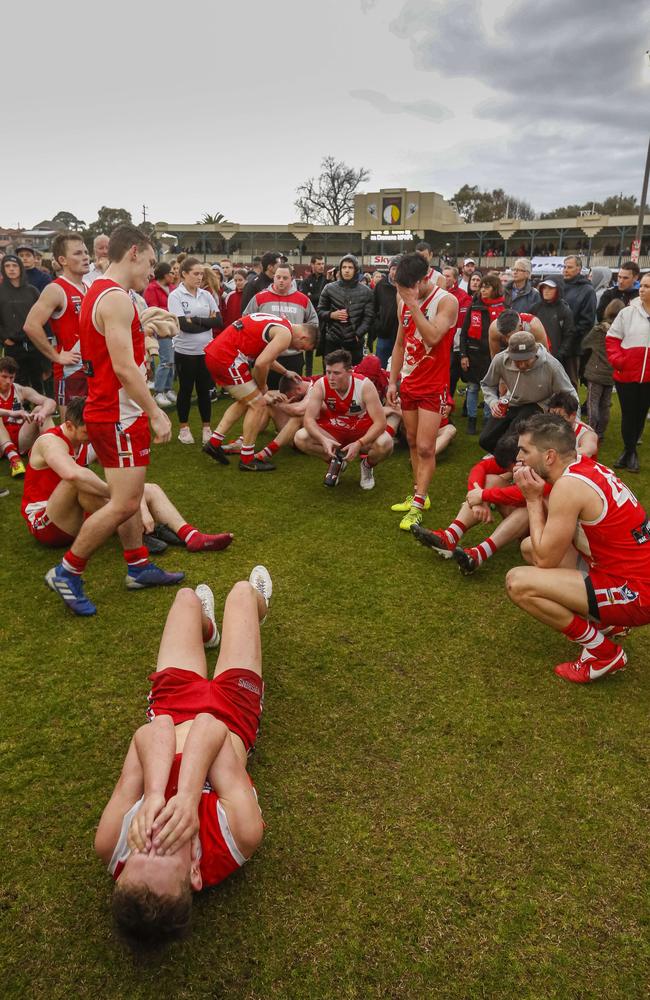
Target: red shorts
x=121, y=449
x=616, y=601
x=346, y=435
x=68, y=386
x=235, y=697
x=46, y=532
x=236, y=372
x=13, y=430
x=422, y=397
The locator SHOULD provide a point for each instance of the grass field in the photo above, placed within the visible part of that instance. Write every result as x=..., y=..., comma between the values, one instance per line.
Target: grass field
x=445, y=817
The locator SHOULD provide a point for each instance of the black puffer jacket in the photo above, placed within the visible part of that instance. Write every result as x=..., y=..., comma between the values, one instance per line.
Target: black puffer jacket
x=580, y=297
x=350, y=295
x=557, y=319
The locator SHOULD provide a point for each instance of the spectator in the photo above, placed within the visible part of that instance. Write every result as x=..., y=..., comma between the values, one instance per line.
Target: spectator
x=628, y=350
x=227, y=271
x=475, y=341
x=100, y=259
x=625, y=289
x=580, y=296
x=384, y=298
x=269, y=263
x=213, y=282
x=425, y=251
x=314, y=283
x=450, y=274
x=175, y=274
x=555, y=315
x=530, y=374
x=34, y=275
x=156, y=294
x=232, y=301
x=198, y=313
x=519, y=293
x=345, y=311
x=256, y=269
x=280, y=300
x=469, y=266
x=601, y=279
x=16, y=299
x=598, y=370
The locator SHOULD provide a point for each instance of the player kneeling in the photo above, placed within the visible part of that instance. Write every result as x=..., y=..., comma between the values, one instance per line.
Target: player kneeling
x=343, y=419
x=184, y=814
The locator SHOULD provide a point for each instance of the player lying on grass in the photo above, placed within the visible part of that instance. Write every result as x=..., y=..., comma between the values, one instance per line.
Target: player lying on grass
x=489, y=483
x=60, y=490
x=344, y=417
x=184, y=814
x=590, y=507
x=19, y=427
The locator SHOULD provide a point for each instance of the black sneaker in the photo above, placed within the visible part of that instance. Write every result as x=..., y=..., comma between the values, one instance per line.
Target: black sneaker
x=154, y=545
x=257, y=465
x=165, y=534
x=467, y=564
x=633, y=462
x=622, y=461
x=218, y=454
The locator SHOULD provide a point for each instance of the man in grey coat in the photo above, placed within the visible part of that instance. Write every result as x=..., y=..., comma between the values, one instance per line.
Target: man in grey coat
x=519, y=293
x=531, y=376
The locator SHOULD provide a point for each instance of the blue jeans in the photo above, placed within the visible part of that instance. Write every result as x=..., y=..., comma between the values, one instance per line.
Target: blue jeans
x=165, y=372
x=384, y=349
x=472, y=401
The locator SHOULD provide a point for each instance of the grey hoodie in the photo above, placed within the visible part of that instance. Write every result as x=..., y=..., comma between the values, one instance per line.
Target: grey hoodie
x=534, y=386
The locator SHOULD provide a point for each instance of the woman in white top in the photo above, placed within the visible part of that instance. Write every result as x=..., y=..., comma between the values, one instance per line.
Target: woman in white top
x=198, y=313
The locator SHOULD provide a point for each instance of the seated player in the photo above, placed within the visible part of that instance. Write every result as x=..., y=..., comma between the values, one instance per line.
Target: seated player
x=565, y=405
x=59, y=491
x=239, y=359
x=344, y=417
x=489, y=483
x=19, y=427
x=184, y=814
x=590, y=507
x=509, y=322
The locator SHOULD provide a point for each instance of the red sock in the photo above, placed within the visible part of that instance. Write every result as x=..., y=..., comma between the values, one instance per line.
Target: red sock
x=10, y=451
x=247, y=453
x=136, y=558
x=216, y=439
x=200, y=542
x=418, y=501
x=390, y=430
x=455, y=531
x=594, y=642
x=483, y=551
x=267, y=453
x=73, y=564
x=186, y=531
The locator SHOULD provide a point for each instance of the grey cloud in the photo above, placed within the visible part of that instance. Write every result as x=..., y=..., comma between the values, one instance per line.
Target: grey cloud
x=555, y=61
x=428, y=110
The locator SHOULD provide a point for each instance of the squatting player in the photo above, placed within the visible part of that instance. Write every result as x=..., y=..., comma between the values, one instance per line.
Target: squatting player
x=344, y=412
x=184, y=813
x=259, y=338
x=59, y=491
x=19, y=427
x=421, y=357
x=613, y=536
x=116, y=412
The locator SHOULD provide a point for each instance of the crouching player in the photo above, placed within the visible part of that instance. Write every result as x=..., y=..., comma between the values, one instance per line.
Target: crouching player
x=184, y=814
x=59, y=491
x=19, y=427
x=344, y=416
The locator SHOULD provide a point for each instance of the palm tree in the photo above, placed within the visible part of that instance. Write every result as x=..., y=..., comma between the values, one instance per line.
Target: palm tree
x=212, y=220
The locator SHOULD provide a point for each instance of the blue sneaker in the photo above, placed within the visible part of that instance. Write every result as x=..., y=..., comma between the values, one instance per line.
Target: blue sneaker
x=150, y=575
x=70, y=588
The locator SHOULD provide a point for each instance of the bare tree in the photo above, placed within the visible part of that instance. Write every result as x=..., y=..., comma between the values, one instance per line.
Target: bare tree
x=329, y=198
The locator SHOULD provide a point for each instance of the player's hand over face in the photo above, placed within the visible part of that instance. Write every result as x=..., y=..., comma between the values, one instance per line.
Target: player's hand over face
x=176, y=824
x=530, y=484
x=409, y=296
x=139, y=836
x=391, y=395
x=161, y=427
x=274, y=396
x=351, y=451
x=69, y=358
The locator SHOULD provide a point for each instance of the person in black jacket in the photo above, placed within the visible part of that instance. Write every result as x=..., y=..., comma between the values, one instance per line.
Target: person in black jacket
x=34, y=275
x=626, y=288
x=385, y=307
x=269, y=263
x=555, y=316
x=580, y=297
x=475, y=341
x=16, y=299
x=312, y=286
x=345, y=311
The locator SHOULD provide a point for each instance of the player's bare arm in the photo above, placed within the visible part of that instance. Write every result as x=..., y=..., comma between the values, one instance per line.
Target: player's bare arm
x=52, y=300
x=229, y=779
x=126, y=793
x=432, y=331
x=280, y=340
x=552, y=527
x=155, y=743
x=53, y=452
x=43, y=406
x=376, y=413
x=179, y=820
x=315, y=401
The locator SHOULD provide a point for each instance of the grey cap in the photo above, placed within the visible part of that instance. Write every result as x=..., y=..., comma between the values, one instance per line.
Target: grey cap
x=522, y=346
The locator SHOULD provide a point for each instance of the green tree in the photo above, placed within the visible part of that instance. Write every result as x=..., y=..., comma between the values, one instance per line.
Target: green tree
x=615, y=204
x=329, y=198
x=69, y=221
x=474, y=205
x=212, y=220
x=107, y=220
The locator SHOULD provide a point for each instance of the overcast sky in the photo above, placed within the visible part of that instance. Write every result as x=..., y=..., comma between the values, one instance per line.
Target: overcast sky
x=228, y=107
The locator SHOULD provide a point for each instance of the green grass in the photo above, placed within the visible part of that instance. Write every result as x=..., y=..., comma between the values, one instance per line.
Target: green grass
x=445, y=818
